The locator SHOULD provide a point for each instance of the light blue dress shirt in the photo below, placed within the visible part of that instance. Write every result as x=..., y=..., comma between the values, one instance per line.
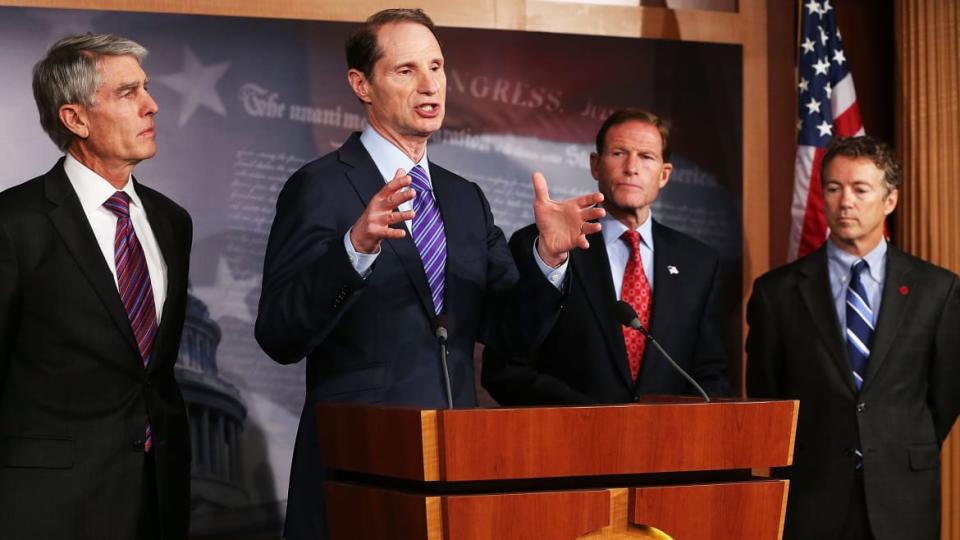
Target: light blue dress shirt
x=618, y=250
x=388, y=158
x=838, y=265
x=618, y=253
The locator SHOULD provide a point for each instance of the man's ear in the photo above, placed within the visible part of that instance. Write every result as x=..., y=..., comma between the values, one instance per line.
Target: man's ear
x=74, y=118
x=665, y=174
x=359, y=85
x=890, y=202
x=595, y=165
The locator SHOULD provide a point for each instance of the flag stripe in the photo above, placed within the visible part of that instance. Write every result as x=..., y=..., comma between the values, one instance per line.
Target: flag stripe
x=827, y=108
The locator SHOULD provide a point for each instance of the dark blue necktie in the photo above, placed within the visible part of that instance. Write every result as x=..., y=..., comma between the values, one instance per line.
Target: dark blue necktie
x=859, y=324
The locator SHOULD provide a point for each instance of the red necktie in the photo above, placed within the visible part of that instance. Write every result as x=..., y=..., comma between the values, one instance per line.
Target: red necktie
x=133, y=280
x=636, y=292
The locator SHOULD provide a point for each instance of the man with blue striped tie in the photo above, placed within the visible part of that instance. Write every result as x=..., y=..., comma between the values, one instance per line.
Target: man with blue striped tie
x=867, y=337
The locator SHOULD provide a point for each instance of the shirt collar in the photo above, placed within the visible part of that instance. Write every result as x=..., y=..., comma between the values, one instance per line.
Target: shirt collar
x=613, y=229
x=387, y=157
x=875, y=258
x=92, y=189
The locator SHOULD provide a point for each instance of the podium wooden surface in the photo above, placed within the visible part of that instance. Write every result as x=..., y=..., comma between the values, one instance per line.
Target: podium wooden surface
x=675, y=466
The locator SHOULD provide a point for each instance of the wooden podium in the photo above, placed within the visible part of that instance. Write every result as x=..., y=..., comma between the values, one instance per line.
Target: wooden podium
x=675, y=466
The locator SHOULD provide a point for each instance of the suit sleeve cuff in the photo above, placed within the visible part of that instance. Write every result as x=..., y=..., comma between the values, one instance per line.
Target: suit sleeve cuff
x=555, y=276
x=361, y=262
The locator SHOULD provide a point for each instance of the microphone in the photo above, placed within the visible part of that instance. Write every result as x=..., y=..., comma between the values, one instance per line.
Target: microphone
x=440, y=331
x=628, y=317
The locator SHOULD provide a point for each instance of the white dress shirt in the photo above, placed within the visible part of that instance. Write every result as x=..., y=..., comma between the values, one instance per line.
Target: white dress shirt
x=93, y=190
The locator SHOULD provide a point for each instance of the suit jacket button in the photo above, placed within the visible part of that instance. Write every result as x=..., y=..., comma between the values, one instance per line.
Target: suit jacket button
x=861, y=407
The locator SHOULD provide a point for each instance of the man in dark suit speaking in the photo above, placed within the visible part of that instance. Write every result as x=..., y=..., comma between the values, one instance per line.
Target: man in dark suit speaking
x=867, y=337
x=373, y=245
x=669, y=278
x=93, y=283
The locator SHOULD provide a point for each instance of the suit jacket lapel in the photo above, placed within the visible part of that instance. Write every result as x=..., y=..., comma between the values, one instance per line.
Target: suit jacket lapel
x=71, y=222
x=665, y=285
x=172, y=257
x=815, y=291
x=459, y=244
x=367, y=181
x=893, y=306
x=592, y=272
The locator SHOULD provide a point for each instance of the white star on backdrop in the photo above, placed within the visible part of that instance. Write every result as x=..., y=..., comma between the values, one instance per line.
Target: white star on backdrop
x=825, y=128
x=821, y=66
x=812, y=7
x=824, y=38
x=807, y=45
x=227, y=295
x=829, y=88
x=804, y=85
x=813, y=106
x=197, y=85
x=838, y=57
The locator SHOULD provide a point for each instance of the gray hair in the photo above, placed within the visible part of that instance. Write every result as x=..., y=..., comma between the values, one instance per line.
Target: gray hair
x=68, y=74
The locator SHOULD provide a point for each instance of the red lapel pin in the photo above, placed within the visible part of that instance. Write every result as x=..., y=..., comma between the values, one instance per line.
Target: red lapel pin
x=904, y=290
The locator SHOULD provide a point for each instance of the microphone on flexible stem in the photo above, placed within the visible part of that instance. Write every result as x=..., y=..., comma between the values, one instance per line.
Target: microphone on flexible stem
x=628, y=317
x=440, y=331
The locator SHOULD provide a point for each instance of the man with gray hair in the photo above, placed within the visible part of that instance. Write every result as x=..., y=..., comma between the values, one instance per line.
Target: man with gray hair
x=93, y=282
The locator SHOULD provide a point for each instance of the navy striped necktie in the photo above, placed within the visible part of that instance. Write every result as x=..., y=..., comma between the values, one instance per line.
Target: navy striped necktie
x=429, y=236
x=859, y=324
x=133, y=280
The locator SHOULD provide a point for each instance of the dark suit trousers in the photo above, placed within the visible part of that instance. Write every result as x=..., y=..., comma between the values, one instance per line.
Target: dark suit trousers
x=856, y=525
x=148, y=527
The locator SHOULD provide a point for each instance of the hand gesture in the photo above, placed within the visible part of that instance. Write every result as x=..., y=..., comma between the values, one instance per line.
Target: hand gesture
x=373, y=225
x=563, y=225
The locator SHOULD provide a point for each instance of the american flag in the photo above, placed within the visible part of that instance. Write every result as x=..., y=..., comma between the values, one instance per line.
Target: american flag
x=827, y=108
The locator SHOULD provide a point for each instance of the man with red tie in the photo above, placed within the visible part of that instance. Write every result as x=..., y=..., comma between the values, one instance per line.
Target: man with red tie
x=93, y=282
x=670, y=279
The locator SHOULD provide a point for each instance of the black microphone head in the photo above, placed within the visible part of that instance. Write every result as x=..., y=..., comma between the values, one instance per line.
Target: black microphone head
x=440, y=328
x=625, y=313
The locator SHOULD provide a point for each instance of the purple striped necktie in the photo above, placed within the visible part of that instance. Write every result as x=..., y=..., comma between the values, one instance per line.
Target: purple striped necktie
x=429, y=236
x=133, y=279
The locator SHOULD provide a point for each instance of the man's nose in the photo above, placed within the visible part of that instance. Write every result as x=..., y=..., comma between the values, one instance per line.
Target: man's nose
x=150, y=105
x=429, y=83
